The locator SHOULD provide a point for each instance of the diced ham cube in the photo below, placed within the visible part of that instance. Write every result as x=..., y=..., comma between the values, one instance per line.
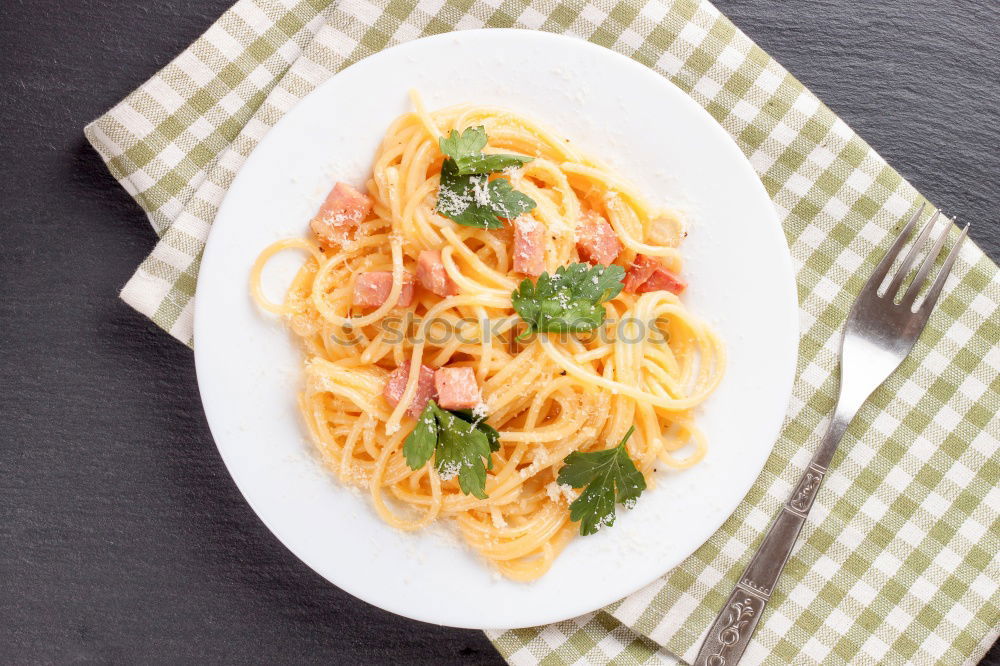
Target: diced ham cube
x=529, y=246
x=396, y=385
x=456, y=388
x=663, y=279
x=432, y=276
x=596, y=241
x=344, y=209
x=639, y=272
x=648, y=274
x=372, y=288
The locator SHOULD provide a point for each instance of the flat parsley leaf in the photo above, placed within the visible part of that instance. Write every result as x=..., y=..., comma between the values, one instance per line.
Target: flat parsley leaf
x=466, y=193
x=465, y=150
x=462, y=446
x=477, y=201
x=610, y=477
x=463, y=451
x=480, y=423
x=419, y=445
x=470, y=142
x=569, y=301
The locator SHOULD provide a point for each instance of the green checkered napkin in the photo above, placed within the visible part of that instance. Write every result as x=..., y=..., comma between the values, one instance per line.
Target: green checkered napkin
x=898, y=562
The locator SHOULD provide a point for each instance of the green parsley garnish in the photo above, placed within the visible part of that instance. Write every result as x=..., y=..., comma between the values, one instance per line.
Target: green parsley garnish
x=492, y=436
x=466, y=194
x=465, y=150
x=462, y=446
x=569, y=301
x=610, y=477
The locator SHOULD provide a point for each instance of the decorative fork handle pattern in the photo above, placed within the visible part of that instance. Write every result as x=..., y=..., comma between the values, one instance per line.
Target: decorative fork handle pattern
x=730, y=634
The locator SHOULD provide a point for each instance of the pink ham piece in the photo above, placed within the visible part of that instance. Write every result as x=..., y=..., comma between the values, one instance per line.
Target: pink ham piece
x=648, y=274
x=640, y=270
x=396, y=386
x=372, y=288
x=596, y=241
x=432, y=276
x=663, y=279
x=456, y=388
x=344, y=209
x=529, y=246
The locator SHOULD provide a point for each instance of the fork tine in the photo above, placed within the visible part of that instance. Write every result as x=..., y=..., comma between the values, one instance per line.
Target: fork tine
x=911, y=256
x=935, y=290
x=926, y=266
x=875, y=281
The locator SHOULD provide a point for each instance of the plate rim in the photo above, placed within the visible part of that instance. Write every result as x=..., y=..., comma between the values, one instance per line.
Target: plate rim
x=774, y=227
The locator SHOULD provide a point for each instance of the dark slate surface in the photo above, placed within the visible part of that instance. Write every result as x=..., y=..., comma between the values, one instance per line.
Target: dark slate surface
x=122, y=538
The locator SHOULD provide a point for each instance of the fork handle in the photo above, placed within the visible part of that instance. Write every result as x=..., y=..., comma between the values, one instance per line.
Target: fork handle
x=730, y=634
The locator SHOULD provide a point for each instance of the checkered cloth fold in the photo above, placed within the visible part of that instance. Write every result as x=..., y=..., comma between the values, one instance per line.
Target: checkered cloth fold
x=898, y=562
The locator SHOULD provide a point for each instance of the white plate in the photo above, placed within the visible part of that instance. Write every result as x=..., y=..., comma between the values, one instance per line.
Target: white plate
x=624, y=114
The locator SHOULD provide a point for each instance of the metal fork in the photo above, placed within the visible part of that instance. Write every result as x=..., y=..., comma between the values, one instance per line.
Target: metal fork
x=881, y=330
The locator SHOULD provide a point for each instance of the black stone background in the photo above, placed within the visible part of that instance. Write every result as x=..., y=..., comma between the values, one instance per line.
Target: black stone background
x=122, y=537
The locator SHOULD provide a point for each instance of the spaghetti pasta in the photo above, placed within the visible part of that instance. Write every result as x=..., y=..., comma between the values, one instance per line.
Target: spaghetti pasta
x=650, y=364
